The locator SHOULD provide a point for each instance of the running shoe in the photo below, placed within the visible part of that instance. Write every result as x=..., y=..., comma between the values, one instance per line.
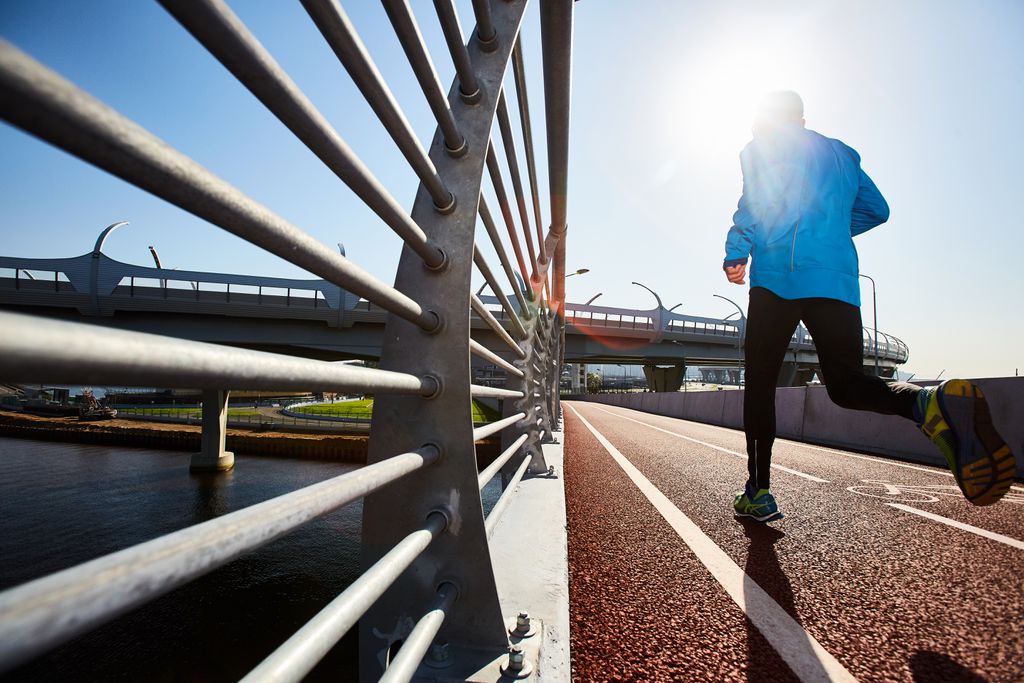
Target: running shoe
x=955, y=416
x=761, y=507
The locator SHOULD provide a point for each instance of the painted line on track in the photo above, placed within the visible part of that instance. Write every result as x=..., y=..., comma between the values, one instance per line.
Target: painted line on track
x=1012, y=542
x=717, y=448
x=884, y=461
x=799, y=649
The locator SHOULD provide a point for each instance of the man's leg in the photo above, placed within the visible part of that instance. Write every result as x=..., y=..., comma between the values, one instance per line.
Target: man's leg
x=771, y=321
x=838, y=338
x=954, y=415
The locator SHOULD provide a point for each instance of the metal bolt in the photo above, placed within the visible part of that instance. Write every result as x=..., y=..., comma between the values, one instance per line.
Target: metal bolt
x=522, y=622
x=516, y=658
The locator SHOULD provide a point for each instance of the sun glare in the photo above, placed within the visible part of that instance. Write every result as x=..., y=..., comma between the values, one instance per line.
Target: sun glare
x=722, y=86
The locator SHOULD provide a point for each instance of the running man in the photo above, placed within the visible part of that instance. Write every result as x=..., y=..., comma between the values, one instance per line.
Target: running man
x=804, y=199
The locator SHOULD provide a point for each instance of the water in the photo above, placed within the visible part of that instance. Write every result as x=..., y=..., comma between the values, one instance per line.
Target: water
x=61, y=504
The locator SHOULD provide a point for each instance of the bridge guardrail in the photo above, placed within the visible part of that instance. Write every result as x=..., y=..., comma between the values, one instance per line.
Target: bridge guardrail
x=425, y=550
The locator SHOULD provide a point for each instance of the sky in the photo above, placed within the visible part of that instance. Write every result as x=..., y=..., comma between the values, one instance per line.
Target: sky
x=929, y=92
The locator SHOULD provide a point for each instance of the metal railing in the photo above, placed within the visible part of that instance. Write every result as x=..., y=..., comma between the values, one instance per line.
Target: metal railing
x=425, y=542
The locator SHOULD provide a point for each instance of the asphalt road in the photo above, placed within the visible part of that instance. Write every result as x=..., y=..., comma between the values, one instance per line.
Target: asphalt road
x=880, y=570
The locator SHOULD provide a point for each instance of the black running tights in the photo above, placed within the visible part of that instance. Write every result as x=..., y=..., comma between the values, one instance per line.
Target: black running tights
x=837, y=332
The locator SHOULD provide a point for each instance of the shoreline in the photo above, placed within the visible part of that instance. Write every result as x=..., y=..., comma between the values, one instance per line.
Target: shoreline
x=350, y=448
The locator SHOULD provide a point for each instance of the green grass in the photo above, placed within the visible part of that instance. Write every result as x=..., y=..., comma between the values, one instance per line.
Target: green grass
x=364, y=409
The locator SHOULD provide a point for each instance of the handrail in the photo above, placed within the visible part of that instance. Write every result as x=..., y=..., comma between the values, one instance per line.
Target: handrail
x=44, y=104
x=506, y=497
x=497, y=426
x=488, y=472
x=46, y=612
x=403, y=667
x=40, y=350
x=297, y=656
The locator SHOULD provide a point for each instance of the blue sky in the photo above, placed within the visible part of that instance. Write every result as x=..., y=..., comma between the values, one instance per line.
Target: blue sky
x=930, y=93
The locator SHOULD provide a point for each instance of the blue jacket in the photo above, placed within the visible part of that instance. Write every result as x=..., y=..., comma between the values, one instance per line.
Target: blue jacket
x=804, y=198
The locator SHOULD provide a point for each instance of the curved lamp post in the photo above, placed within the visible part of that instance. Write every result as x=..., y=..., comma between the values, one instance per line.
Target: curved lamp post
x=660, y=329
x=874, y=306
x=741, y=331
x=591, y=299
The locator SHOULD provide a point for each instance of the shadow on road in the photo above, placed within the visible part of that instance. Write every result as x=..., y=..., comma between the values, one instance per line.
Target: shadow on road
x=762, y=566
x=927, y=666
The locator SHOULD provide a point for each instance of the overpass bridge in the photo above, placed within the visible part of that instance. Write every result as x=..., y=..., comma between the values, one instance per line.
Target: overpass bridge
x=319, y=319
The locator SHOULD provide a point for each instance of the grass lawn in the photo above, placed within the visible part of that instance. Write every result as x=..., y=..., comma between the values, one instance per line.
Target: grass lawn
x=364, y=409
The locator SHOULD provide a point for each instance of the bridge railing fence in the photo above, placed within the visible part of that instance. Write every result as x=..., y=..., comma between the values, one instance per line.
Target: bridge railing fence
x=425, y=547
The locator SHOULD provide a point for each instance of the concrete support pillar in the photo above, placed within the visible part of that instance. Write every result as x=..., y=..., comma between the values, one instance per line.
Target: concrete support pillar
x=664, y=379
x=213, y=457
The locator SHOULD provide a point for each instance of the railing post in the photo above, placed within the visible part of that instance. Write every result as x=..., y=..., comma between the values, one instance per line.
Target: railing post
x=400, y=423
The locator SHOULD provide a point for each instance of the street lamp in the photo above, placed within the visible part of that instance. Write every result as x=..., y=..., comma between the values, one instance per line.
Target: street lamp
x=581, y=271
x=675, y=307
x=623, y=375
x=739, y=332
x=591, y=299
x=874, y=306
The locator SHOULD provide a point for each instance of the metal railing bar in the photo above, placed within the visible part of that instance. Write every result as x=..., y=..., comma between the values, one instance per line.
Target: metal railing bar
x=512, y=159
x=481, y=351
x=495, y=427
x=494, y=170
x=488, y=317
x=409, y=656
x=506, y=496
x=485, y=32
x=469, y=89
x=408, y=32
x=46, y=105
x=556, y=47
x=41, y=614
x=492, y=282
x=480, y=391
x=499, y=248
x=223, y=34
x=519, y=74
x=339, y=32
x=297, y=656
x=41, y=350
x=488, y=473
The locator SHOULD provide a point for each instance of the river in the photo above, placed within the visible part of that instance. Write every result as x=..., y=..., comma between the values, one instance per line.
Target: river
x=62, y=504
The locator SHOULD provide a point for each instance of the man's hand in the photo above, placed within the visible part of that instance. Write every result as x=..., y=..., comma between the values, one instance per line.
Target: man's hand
x=736, y=274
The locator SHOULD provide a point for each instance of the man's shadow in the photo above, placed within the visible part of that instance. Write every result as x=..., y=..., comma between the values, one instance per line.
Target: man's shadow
x=762, y=566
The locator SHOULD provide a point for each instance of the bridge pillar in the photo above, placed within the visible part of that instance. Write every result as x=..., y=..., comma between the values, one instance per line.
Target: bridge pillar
x=664, y=379
x=212, y=457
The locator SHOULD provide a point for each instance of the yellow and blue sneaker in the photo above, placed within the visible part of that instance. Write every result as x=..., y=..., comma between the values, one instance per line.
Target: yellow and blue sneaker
x=955, y=416
x=759, y=505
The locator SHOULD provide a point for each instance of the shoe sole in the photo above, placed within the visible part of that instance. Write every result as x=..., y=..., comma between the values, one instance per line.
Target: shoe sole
x=767, y=518
x=984, y=465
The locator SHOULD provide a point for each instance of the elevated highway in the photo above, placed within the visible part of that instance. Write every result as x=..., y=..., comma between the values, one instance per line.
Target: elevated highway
x=318, y=319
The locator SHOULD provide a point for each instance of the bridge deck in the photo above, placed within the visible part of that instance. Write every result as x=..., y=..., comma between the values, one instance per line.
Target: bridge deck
x=667, y=585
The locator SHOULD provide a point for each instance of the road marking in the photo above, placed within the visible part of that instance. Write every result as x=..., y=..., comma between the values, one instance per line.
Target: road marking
x=798, y=648
x=717, y=448
x=1013, y=542
x=884, y=461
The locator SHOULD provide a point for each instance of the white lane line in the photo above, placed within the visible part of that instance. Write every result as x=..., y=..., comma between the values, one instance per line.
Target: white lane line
x=1013, y=542
x=717, y=448
x=930, y=470
x=798, y=648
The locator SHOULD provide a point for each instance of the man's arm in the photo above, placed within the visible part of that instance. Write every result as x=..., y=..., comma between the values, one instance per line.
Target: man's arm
x=741, y=235
x=869, y=208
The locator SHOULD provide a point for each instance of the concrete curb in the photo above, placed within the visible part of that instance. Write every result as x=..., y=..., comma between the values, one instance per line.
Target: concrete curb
x=529, y=552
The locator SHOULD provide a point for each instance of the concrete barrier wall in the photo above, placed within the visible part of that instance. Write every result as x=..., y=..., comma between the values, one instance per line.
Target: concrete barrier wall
x=807, y=414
